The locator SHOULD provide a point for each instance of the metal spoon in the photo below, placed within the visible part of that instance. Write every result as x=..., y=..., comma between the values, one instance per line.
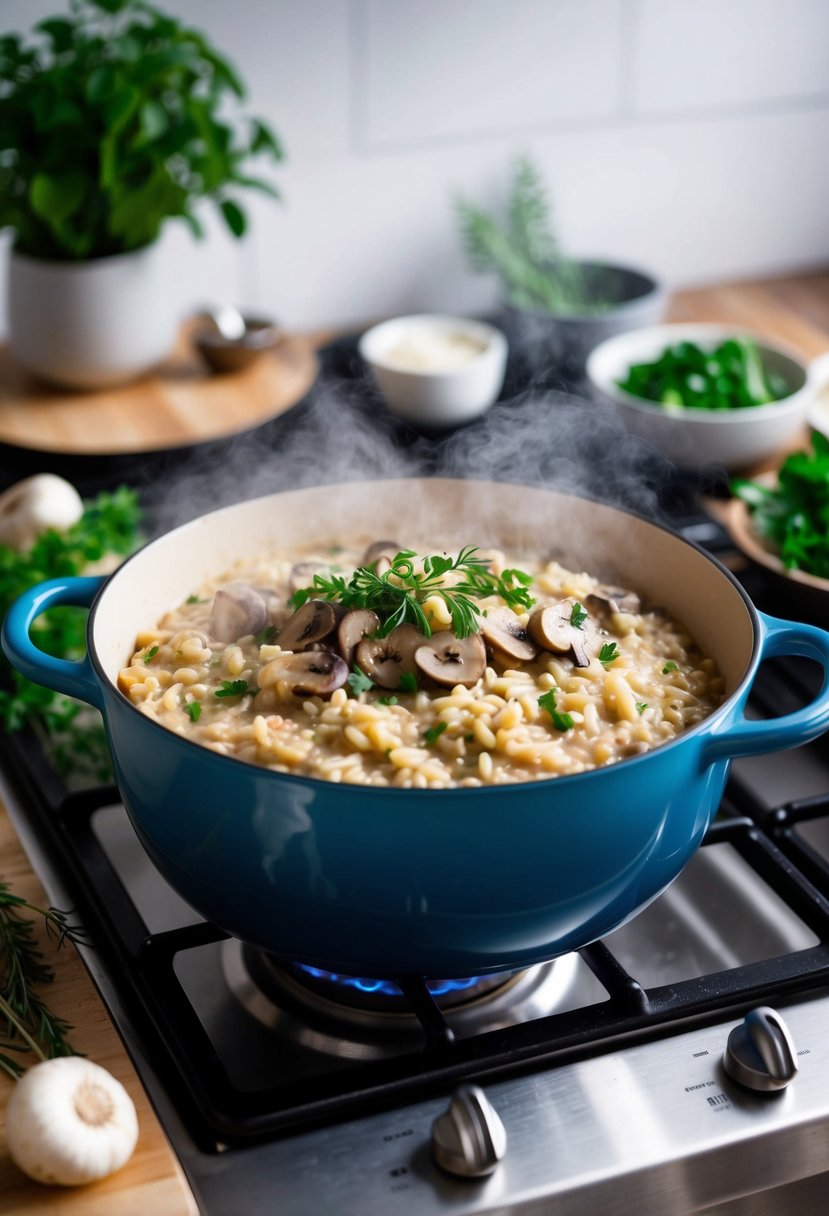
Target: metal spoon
x=228, y=320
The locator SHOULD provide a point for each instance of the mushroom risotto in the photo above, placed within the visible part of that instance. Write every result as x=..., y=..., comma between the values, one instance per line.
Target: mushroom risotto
x=384, y=667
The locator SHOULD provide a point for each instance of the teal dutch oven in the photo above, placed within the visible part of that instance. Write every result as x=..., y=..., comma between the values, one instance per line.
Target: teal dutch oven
x=447, y=883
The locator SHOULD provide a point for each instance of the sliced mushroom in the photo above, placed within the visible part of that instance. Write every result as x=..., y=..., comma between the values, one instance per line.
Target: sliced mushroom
x=302, y=574
x=505, y=634
x=449, y=660
x=614, y=599
x=309, y=673
x=551, y=627
x=353, y=628
x=238, y=610
x=387, y=660
x=310, y=623
x=380, y=555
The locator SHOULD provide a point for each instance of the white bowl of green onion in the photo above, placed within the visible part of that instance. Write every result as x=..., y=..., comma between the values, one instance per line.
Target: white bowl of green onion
x=705, y=394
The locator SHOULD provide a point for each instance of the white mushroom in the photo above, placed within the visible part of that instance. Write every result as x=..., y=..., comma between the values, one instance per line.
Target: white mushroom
x=35, y=505
x=69, y=1122
x=238, y=610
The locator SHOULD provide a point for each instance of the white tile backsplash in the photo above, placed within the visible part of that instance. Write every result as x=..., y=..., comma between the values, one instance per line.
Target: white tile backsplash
x=703, y=54
x=469, y=67
x=684, y=136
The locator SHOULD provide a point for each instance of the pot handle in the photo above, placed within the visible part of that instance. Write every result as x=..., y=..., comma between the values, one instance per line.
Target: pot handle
x=749, y=738
x=75, y=678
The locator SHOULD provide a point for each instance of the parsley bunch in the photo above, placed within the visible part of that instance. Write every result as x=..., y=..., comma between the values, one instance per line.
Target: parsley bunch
x=109, y=524
x=397, y=595
x=794, y=514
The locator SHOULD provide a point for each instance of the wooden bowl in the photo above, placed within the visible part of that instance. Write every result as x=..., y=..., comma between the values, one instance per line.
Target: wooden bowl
x=232, y=355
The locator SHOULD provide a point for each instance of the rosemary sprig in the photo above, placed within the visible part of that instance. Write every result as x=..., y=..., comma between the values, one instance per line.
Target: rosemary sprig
x=30, y=1026
x=397, y=595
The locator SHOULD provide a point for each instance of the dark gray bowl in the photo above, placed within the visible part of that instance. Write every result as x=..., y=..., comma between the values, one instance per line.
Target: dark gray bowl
x=562, y=342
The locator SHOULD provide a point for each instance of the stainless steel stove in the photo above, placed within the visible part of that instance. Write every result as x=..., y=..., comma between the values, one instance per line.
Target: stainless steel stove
x=593, y=1083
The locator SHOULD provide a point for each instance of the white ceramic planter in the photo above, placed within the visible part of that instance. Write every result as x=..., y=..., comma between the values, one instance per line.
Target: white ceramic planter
x=91, y=324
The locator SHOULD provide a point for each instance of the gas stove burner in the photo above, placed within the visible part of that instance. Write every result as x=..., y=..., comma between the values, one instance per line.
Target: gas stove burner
x=367, y=1019
x=385, y=996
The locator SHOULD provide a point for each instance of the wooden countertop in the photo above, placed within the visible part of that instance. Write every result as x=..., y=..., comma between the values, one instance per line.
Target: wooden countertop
x=152, y=1181
x=794, y=309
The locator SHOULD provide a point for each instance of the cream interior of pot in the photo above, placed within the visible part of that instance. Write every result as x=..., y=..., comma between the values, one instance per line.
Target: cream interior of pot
x=428, y=515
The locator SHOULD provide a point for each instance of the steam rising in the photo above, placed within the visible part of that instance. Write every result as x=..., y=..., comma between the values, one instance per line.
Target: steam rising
x=343, y=432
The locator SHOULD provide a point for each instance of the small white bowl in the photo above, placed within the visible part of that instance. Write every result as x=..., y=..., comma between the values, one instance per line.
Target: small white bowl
x=692, y=438
x=443, y=397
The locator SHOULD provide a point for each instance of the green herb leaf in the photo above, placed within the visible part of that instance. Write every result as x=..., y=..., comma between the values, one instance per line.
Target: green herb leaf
x=150, y=655
x=193, y=711
x=669, y=667
x=266, y=636
x=608, y=654
x=560, y=721
x=234, y=688
x=358, y=681
x=387, y=700
x=195, y=599
x=641, y=706
x=408, y=682
x=433, y=733
x=578, y=616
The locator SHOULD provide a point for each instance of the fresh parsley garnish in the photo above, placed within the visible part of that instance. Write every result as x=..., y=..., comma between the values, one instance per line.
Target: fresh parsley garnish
x=193, y=711
x=641, y=706
x=669, y=667
x=398, y=594
x=150, y=655
x=561, y=721
x=195, y=599
x=234, y=688
x=433, y=733
x=408, y=682
x=387, y=700
x=267, y=635
x=794, y=514
x=578, y=616
x=608, y=654
x=358, y=681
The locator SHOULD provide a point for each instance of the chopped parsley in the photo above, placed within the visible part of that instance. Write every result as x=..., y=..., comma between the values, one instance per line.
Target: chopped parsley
x=669, y=667
x=195, y=599
x=578, y=616
x=608, y=654
x=150, y=655
x=267, y=635
x=387, y=700
x=561, y=721
x=398, y=594
x=234, y=688
x=641, y=706
x=193, y=711
x=408, y=682
x=358, y=681
x=433, y=733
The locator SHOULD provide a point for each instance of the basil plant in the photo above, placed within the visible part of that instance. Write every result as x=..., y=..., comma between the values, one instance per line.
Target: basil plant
x=114, y=118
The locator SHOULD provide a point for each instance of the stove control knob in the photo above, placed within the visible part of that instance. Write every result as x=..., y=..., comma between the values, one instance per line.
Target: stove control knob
x=760, y=1053
x=470, y=1139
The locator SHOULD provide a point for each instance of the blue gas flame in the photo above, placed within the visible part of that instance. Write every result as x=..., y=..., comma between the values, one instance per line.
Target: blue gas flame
x=385, y=987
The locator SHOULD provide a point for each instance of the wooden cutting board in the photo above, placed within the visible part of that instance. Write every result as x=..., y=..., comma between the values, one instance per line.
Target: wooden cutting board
x=181, y=404
x=152, y=1180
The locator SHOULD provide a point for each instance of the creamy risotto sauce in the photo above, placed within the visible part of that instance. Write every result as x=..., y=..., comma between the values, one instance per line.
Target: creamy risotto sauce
x=607, y=678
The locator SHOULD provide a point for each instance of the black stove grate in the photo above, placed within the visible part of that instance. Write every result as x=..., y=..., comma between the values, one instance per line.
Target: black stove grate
x=143, y=964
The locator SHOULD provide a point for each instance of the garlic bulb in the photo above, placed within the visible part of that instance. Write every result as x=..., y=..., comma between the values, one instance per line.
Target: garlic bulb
x=69, y=1121
x=35, y=505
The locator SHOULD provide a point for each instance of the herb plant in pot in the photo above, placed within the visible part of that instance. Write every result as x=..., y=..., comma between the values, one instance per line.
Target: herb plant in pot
x=113, y=120
x=555, y=309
